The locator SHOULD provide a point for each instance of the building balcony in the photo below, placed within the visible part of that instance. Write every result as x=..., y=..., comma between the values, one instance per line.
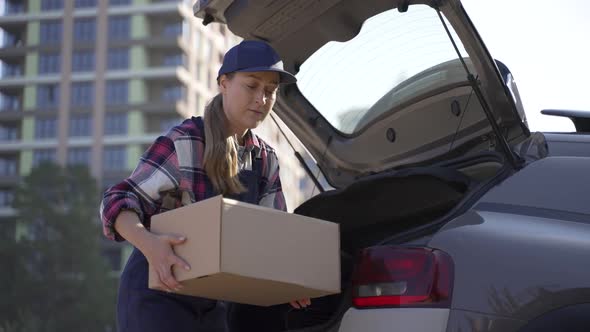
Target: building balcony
x=8, y=70
x=14, y=8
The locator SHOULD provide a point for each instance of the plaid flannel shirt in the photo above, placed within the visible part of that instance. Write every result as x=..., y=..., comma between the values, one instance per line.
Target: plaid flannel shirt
x=175, y=162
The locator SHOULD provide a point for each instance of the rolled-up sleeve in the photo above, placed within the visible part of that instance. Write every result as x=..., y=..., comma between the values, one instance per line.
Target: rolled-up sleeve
x=156, y=172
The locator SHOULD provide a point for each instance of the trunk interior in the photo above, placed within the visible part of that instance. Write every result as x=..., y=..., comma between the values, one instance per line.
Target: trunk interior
x=376, y=208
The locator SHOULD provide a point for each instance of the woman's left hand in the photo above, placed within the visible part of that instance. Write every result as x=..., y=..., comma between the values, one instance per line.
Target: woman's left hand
x=298, y=304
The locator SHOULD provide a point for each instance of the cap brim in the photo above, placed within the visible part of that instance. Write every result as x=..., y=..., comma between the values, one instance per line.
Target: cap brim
x=285, y=77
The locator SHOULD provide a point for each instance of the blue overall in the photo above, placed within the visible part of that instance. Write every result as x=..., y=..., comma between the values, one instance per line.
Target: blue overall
x=140, y=309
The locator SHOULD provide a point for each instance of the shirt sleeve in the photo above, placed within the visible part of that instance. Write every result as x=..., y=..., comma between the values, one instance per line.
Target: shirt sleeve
x=156, y=172
x=272, y=193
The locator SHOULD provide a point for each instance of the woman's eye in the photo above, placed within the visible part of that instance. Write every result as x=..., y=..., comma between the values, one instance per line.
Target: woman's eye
x=251, y=86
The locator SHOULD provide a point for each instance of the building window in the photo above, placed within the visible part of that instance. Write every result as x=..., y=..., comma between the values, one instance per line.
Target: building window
x=82, y=94
x=119, y=2
x=46, y=128
x=118, y=58
x=172, y=60
x=79, y=156
x=47, y=96
x=49, y=63
x=114, y=158
x=172, y=93
x=172, y=29
x=85, y=3
x=85, y=30
x=52, y=4
x=8, y=133
x=80, y=125
x=50, y=32
x=6, y=198
x=14, y=7
x=9, y=102
x=43, y=155
x=119, y=28
x=8, y=166
x=11, y=39
x=8, y=69
x=115, y=124
x=116, y=92
x=167, y=123
x=83, y=61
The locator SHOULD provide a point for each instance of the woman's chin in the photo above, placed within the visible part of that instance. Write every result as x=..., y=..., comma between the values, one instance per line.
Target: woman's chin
x=253, y=123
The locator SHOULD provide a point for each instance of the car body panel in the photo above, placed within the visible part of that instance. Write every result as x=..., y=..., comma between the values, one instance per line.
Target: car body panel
x=521, y=251
x=470, y=321
x=515, y=266
x=387, y=320
x=563, y=144
x=553, y=183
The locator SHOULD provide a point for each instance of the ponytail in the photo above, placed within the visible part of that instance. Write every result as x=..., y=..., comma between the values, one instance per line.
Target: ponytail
x=221, y=156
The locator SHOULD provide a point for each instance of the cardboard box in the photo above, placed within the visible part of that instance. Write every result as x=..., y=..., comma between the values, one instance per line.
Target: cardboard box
x=250, y=254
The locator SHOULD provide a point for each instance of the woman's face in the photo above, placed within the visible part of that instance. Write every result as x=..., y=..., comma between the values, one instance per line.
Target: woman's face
x=248, y=98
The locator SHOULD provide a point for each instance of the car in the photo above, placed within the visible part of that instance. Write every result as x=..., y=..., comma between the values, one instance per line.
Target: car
x=454, y=216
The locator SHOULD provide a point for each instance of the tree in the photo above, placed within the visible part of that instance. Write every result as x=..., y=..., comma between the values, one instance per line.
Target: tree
x=56, y=278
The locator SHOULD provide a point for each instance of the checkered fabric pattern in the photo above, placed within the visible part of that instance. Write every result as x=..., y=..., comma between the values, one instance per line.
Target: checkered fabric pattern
x=175, y=162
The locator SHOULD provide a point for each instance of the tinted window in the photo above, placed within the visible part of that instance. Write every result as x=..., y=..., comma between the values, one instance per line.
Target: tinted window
x=83, y=61
x=48, y=96
x=115, y=124
x=80, y=125
x=50, y=32
x=114, y=158
x=119, y=28
x=49, y=63
x=116, y=92
x=85, y=30
x=118, y=58
x=82, y=94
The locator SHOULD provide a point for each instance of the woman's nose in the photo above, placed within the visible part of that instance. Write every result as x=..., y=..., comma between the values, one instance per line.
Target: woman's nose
x=260, y=97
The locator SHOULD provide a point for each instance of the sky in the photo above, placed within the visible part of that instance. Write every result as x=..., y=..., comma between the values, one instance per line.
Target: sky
x=546, y=46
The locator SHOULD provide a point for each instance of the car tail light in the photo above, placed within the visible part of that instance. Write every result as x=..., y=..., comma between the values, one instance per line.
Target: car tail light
x=389, y=276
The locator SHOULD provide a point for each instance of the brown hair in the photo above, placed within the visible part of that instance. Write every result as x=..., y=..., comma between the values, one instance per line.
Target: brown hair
x=221, y=156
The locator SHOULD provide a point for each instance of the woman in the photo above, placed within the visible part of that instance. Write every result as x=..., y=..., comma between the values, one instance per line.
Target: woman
x=197, y=159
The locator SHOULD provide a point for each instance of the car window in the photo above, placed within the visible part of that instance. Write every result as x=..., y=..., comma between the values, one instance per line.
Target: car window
x=351, y=83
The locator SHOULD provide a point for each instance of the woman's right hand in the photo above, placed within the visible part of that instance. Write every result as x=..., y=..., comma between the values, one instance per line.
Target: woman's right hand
x=161, y=258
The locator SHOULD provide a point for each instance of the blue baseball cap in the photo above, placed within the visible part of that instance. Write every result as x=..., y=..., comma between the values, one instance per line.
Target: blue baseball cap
x=252, y=56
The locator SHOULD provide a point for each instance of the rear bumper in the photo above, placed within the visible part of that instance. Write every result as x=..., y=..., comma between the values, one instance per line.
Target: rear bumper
x=397, y=319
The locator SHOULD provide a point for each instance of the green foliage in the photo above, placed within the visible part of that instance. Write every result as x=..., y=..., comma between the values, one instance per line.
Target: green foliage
x=54, y=277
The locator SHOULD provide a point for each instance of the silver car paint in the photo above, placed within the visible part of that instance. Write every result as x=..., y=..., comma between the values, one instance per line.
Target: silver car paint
x=568, y=144
x=388, y=320
x=518, y=253
x=463, y=321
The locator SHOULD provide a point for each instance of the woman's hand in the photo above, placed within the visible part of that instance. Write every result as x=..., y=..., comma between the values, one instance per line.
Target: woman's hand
x=298, y=304
x=157, y=248
x=161, y=257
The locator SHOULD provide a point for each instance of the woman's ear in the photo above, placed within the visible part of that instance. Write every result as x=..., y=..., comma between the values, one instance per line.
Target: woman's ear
x=223, y=82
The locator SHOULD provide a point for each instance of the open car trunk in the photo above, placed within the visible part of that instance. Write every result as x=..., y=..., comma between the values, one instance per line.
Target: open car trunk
x=375, y=210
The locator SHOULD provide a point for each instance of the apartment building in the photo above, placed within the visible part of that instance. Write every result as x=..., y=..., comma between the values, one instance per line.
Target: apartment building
x=94, y=82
